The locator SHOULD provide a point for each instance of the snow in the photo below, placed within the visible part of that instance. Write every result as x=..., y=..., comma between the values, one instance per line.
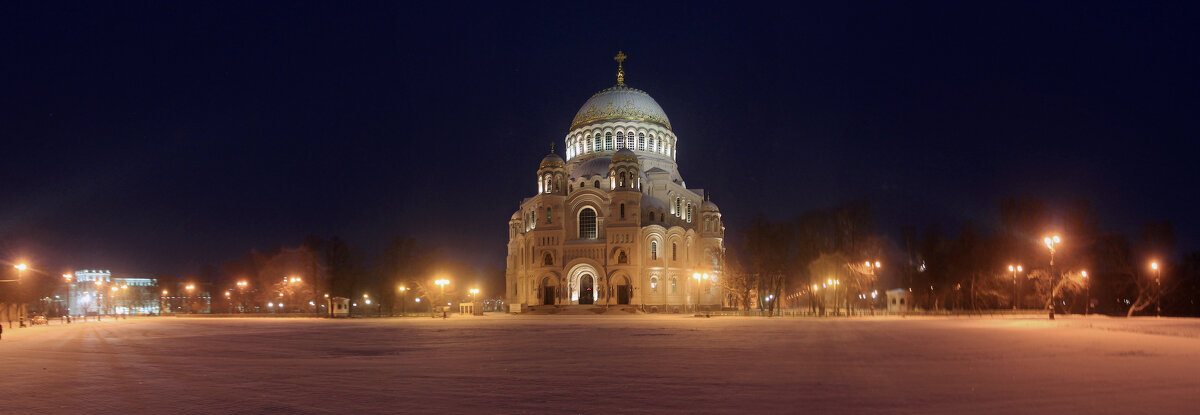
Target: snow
x=604, y=364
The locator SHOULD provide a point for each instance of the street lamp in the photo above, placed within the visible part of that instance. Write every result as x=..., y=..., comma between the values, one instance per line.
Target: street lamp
x=1158, y=283
x=699, y=277
x=1051, y=242
x=1016, y=293
x=875, y=273
x=189, y=288
x=1087, y=303
x=403, y=300
x=442, y=284
x=20, y=270
x=241, y=286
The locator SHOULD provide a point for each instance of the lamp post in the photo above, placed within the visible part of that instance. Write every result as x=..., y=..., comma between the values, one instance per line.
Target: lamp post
x=699, y=278
x=874, y=267
x=99, y=304
x=441, y=284
x=190, y=288
x=1158, y=283
x=474, y=297
x=1087, y=300
x=403, y=301
x=1051, y=242
x=1016, y=292
x=162, y=303
x=125, y=299
x=241, y=286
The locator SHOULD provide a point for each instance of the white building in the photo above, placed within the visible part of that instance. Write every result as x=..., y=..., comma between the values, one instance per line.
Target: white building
x=615, y=223
x=95, y=292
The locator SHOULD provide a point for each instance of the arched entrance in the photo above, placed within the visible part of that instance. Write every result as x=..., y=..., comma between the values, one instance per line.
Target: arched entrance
x=623, y=290
x=587, y=289
x=549, y=291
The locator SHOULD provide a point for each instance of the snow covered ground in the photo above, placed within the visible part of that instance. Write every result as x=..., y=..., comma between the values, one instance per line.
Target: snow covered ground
x=604, y=364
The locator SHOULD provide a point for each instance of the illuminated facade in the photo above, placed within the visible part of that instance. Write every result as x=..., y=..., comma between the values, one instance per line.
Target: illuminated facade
x=615, y=223
x=94, y=292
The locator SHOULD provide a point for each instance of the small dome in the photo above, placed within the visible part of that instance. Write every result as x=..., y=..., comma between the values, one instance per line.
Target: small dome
x=594, y=167
x=651, y=202
x=624, y=155
x=620, y=103
x=552, y=161
x=709, y=206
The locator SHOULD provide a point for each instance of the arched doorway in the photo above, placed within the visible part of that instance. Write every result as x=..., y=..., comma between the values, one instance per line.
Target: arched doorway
x=548, y=291
x=587, y=289
x=623, y=289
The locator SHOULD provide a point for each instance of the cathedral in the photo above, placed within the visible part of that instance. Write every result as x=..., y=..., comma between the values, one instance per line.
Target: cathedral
x=614, y=224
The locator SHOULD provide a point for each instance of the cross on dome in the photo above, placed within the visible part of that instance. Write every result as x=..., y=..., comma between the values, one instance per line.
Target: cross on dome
x=620, y=58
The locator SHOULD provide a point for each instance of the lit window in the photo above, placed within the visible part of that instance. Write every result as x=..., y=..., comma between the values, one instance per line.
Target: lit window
x=620, y=140
x=548, y=216
x=653, y=250
x=674, y=286
x=689, y=212
x=641, y=142
x=629, y=141
x=587, y=224
x=608, y=144
x=654, y=284
x=597, y=141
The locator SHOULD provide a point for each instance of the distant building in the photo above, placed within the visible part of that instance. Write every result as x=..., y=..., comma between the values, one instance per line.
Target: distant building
x=899, y=300
x=94, y=292
x=615, y=223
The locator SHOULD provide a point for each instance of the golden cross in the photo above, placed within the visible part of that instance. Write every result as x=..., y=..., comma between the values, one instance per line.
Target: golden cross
x=620, y=58
x=551, y=148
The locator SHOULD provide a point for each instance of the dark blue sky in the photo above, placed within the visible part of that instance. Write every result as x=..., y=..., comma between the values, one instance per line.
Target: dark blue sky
x=158, y=137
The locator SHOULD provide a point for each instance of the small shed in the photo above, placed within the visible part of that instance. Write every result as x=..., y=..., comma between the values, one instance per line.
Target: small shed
x=340, y=307
x=899, y=301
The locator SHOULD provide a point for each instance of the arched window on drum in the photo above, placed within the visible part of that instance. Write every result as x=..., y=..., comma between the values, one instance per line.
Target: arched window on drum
x=587, y=223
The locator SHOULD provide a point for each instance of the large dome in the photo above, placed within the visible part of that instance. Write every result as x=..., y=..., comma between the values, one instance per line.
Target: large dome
x=620, y=103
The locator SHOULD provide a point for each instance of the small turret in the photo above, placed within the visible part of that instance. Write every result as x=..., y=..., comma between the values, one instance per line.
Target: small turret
x=552, y=174
x=624, y=171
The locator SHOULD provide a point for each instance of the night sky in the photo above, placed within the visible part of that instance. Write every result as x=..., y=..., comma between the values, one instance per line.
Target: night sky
x=155, y=138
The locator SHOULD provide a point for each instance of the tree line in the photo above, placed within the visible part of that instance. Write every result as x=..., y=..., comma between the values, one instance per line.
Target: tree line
x=295, y=275
x=834, y=261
